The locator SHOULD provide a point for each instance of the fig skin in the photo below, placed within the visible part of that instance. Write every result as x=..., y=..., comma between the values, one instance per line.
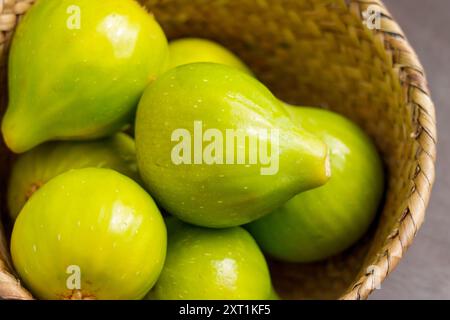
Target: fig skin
x=190, y=50
x=323, y=222
x=98, y=220
x=221, y=195
x=274, y=296
x=34, y=168
x=210, y=264
x=79, y=83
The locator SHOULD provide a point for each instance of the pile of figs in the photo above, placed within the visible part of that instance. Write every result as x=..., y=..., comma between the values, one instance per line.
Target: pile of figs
x=148, y=169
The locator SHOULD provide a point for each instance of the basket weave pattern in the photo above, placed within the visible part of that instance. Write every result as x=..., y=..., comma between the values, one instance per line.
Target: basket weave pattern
x=315, y=52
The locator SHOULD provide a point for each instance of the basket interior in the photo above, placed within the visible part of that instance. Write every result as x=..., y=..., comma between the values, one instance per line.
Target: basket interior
x=316, y=53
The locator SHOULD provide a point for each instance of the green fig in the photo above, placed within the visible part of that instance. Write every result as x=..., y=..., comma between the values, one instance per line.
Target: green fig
x=89, y=234
x=77, y=69
x=274, y=295
x=34, y=168
x=216, y=148
x=210, y=264
x=190, y=50
x=322, y=222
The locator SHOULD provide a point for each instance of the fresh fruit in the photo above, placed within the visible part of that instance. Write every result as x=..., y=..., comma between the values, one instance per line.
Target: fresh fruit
x=190, y=50
x=209, y=264
x=77, y=69
x=322, y=222
x=274, y=295
x=37, y=166
x=217, y=149
x=89, y=234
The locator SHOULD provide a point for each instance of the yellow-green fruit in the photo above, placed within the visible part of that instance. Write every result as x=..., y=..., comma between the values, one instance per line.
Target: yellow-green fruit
x=34, y=168
x=190, y=50
x=77, y=69
x=209, y=264
x=89, y=234
x=274, y=295
x=217, y=149
x=322, y=222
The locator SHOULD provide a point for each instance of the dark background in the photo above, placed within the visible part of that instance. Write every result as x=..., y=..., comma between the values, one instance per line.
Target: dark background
x=424, y=272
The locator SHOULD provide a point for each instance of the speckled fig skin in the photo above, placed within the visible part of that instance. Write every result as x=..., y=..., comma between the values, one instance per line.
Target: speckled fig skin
x=221, y=195
x=190, y=50
x=322, y=222
x=34, y=168
x=98, y=221
x=209, y=264
x=70, y=81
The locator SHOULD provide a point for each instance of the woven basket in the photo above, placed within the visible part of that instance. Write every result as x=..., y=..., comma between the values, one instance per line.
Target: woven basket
x=309, y=52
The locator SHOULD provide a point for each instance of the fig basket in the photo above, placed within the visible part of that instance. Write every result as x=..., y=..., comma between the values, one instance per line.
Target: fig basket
x=346, y=55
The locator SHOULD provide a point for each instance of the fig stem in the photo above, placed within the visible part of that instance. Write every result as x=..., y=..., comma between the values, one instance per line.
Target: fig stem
x=33, y=188
x=78, y=295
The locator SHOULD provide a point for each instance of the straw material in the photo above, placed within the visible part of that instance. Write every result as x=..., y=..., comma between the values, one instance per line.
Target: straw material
x=320, y=53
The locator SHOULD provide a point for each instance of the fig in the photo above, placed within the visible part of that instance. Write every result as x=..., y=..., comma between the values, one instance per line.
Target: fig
x=319, y=223
x=89, y=234
x=190, y=50
x=34, y=168
x=77, y=69
x=216, y=148
x=210, y=264
x=274, y=295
